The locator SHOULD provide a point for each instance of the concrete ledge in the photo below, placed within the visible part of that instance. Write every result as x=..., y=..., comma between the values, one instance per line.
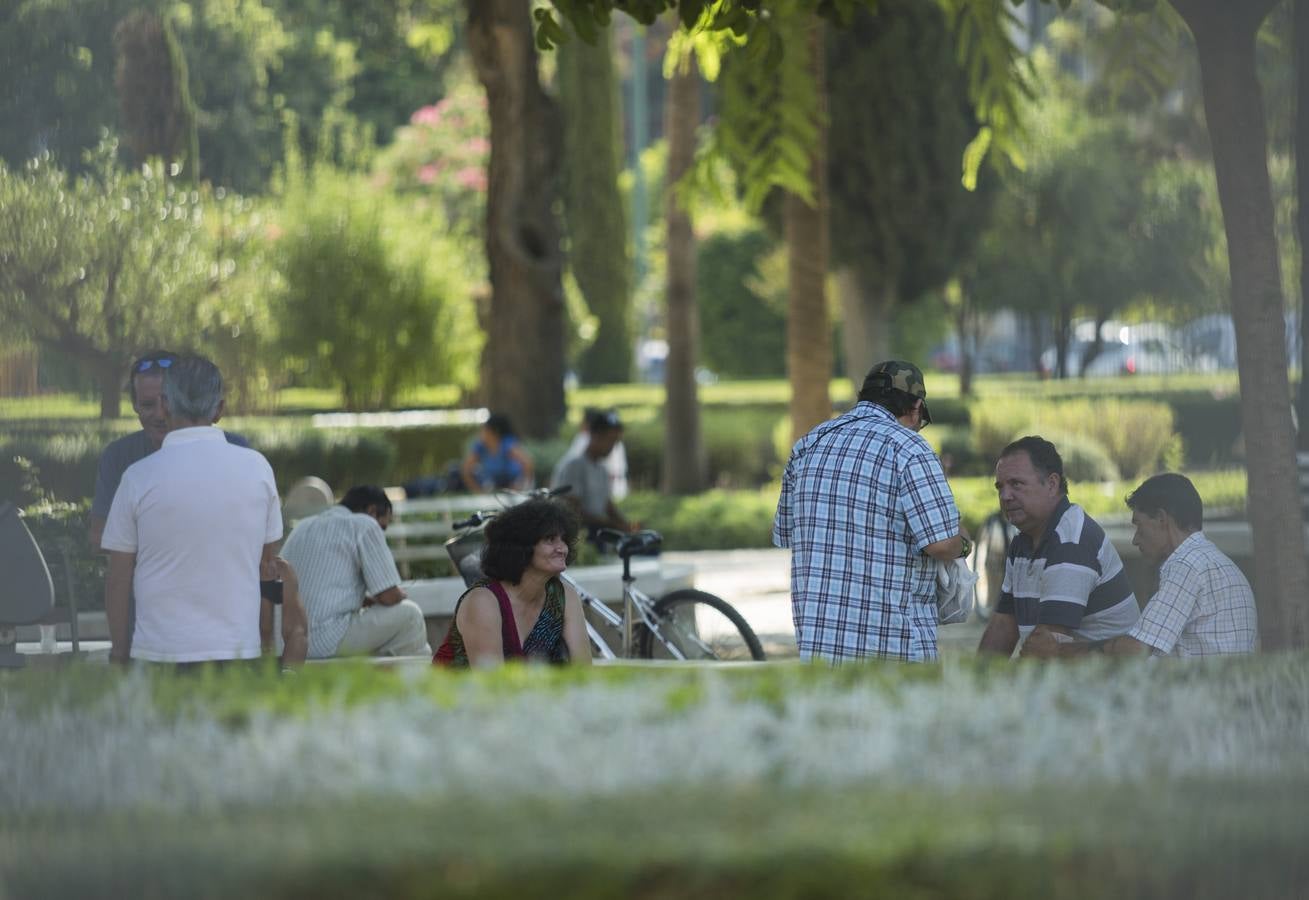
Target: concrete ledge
x=437, y=596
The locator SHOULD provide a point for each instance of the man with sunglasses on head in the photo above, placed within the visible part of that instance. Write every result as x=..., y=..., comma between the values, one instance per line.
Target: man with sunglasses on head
x=868, y=515
x=190, y=529
x=145, y=385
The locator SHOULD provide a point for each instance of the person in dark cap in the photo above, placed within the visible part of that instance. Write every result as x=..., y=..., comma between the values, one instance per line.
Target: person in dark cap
x=868, y=515
x=584, y=473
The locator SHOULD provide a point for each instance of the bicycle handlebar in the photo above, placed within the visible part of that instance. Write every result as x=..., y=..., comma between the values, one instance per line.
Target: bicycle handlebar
x=482, y=516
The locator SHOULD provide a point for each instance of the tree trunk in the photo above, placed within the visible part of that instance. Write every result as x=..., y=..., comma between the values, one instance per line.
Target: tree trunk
x=1301, y=48
x=966, y=328
x=597, y=226
x=684, y=454
x=1097, y=344
x=808, y=333
x=108, y=378
x=866, y=319
x=524, y=352
x=1063, y=331
x=1225, y=39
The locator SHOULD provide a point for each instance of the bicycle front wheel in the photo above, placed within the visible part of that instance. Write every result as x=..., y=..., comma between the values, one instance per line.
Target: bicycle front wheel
x=701, y=627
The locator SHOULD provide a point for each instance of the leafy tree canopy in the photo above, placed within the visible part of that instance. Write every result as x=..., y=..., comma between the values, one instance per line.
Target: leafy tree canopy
x=104, y=264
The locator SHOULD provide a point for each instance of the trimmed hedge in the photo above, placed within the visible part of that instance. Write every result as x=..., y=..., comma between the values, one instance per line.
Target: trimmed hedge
x=770, y=781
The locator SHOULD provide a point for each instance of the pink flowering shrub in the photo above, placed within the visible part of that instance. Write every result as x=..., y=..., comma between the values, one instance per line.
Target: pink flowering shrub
x=442, y=154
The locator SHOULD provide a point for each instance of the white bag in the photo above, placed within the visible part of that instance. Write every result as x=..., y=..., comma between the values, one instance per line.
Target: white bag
x=956, y=591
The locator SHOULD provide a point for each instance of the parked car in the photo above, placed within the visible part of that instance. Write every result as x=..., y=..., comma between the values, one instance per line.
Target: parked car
x=1150, y=348
x=1214, y=337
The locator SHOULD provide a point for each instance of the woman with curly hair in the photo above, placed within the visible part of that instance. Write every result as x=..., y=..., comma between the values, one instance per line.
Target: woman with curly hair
x=523, y=610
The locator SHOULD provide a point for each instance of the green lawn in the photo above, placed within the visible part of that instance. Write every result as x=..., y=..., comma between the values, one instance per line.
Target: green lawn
x=758, y=393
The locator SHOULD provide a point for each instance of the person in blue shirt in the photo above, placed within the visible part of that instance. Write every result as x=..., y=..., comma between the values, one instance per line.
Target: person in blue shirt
x=497, y=459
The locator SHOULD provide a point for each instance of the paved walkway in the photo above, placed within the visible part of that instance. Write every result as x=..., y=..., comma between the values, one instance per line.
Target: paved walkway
x=758, y=583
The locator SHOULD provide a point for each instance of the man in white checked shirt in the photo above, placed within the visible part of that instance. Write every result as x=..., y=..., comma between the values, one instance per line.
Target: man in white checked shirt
x=1204, y=605
x=867, y=513
x=349, y=584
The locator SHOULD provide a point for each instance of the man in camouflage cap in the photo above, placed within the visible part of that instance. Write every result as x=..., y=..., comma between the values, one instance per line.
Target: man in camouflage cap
x=893, y=379
x=868, y=515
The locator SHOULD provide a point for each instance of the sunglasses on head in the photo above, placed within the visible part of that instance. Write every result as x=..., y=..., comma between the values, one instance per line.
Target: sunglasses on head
x=146, y=365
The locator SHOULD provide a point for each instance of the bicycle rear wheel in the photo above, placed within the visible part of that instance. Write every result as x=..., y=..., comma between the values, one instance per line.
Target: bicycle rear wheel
x=701, y=627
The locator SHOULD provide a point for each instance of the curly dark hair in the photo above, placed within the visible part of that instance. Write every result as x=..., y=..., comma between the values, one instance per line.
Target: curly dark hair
x=512, y=536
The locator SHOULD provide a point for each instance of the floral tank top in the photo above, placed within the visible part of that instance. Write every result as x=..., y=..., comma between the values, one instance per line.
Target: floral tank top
x=544, y=643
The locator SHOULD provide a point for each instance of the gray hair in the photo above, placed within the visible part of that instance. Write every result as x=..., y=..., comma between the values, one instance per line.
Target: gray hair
x=193, y=387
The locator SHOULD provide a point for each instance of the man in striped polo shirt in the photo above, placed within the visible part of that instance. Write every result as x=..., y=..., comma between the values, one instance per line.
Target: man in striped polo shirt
x=1064, y=584
x=349, y=584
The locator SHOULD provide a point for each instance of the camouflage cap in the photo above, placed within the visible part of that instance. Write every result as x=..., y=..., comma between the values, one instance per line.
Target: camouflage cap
x=895, y=374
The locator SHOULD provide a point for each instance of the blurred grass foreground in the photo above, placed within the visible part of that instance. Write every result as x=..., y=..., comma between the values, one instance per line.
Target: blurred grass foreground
x=1142, y=779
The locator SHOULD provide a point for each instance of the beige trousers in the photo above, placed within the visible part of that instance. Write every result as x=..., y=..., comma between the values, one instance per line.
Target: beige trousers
x=397, y=630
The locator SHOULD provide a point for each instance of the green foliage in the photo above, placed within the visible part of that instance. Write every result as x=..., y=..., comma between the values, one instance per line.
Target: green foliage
x=1085, y=458
x=771, y=113
x=1100, y=220
x=900, y=216
x=738, y=445
x=340, y=457
x=770, y=117
x=715, y=520
x=1137, y=435
x=371, y=300
x=742, y=300
x=57, y=66
x=441, y=155
x=427, y=450
x=64, y=462
x=101, y=265
x=248, y=63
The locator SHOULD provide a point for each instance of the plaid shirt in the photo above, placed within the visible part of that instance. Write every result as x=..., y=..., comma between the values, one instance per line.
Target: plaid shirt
x=861, y=497
x=1204, y=605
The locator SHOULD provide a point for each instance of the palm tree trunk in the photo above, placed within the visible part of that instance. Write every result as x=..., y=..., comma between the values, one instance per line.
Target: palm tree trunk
x=524, y=353
x=866, y=323
x=1300, y=29
x=684, y=454
x=808, y=332
x=1225, y=38
x=593, y=204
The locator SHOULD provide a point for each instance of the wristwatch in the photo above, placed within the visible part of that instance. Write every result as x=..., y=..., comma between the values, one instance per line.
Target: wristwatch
x=967, y=547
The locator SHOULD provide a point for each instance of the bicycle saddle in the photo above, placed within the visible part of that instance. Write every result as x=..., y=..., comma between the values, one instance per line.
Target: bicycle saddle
x=642, y=543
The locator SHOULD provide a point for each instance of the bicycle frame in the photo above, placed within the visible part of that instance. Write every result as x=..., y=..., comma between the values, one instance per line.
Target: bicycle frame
x=635, y=603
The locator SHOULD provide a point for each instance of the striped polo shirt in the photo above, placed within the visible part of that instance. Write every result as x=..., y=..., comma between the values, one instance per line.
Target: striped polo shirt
x=339, y=558
x=1073, y=577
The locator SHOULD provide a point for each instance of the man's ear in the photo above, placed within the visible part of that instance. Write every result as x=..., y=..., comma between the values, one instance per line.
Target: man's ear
x=222, y=407
x=1165, y=518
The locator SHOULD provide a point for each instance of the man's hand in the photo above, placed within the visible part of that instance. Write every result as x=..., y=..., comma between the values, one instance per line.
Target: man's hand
x=389, y=597
x=1050, y=642
x=1001, y=635
x=946, y=550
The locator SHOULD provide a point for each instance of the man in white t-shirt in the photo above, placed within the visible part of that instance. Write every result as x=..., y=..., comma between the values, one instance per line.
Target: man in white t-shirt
x=583, y=472
x=188, y=530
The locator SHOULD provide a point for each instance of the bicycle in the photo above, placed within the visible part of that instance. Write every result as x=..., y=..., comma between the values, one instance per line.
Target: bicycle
x=685, y=624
